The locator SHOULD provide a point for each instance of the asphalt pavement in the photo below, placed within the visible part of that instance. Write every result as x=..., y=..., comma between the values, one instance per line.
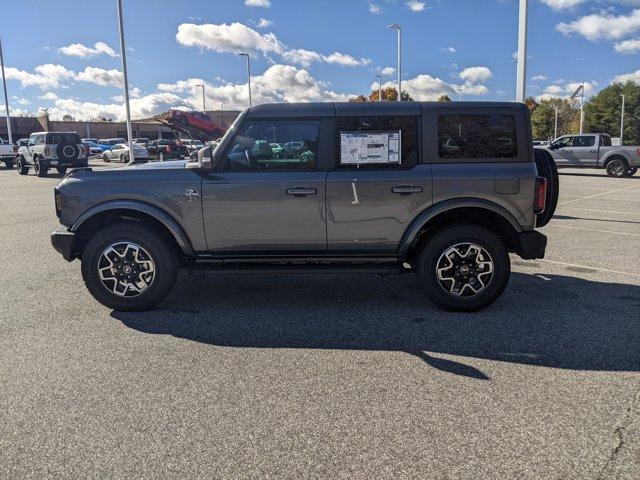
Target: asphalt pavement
x=327, y=376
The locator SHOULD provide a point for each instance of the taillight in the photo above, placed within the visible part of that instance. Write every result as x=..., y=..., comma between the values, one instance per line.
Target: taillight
x=638, y=151
x=540, y=195
x=168, y=148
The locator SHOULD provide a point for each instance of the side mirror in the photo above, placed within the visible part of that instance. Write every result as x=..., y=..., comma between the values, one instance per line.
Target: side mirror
x=205, y=158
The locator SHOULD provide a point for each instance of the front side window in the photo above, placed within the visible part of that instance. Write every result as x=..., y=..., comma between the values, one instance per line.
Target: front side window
x=563, y=142
x=275, y=145
x=376, y=142
x=477, y=136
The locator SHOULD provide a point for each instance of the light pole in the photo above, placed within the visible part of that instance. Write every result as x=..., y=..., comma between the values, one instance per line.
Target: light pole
x=204, y=105
x=248, y=74
x=379, y=77
x=621, y=121
x=555, y=125
x=6, y=98
x=396, y=27
x=522, y=52
x=126, y=82
x=460, y=93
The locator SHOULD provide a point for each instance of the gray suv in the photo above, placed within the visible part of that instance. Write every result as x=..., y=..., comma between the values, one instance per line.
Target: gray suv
x=444, y=191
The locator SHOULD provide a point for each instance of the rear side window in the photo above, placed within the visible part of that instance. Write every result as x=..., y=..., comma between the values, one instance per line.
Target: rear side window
x=584, y=141
x=376, y=142
x=57, y=138
x=477, y=136
x=605, y=140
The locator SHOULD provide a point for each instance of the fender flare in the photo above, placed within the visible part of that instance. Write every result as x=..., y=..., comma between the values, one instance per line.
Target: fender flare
x=160, y=215
x=434, y=210
x=611, y=155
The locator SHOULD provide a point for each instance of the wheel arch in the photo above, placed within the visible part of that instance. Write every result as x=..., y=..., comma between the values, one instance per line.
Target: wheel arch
x=476, y=211
x=613, y=156
x=105, y=213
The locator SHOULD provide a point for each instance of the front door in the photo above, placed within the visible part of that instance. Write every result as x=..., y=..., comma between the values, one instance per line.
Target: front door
x=377, y=186
x=585, y=151
x=261, y=201
x=562, y=152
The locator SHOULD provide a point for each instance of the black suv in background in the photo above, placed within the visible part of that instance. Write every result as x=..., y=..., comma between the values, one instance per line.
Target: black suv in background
x=171, y=149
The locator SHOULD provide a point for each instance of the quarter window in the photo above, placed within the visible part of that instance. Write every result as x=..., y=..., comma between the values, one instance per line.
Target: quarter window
x=275, y=145
x=477, y=136
x=376, y=142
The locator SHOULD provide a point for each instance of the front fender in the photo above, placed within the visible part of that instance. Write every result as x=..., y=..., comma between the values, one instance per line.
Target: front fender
x=435, y=210
x=163, y=217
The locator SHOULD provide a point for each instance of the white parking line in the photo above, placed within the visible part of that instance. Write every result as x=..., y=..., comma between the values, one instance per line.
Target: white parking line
x=604, y=211
x=599, y=194
x=596, y=230
x=589, y=267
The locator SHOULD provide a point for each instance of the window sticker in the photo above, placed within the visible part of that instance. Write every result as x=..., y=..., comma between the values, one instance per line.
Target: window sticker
x=366, y=148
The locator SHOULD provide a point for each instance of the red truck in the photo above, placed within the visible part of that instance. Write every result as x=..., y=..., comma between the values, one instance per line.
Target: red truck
x=197, y=120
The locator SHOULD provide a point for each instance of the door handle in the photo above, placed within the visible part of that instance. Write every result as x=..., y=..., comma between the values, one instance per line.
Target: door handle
x=301, y=191
x=593, y=151
x=406, y=189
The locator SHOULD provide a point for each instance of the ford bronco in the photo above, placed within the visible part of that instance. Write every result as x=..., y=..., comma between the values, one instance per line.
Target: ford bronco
x=444, y=191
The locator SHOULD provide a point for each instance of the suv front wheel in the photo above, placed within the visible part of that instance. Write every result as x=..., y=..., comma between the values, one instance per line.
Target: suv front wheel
x=39, y=169
x=129, y=267
x=463, y=268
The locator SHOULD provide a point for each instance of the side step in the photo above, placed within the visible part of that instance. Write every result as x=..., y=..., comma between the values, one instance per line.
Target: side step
x=254, y=268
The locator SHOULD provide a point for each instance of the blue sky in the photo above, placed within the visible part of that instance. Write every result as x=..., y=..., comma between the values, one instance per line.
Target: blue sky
x=67, y=60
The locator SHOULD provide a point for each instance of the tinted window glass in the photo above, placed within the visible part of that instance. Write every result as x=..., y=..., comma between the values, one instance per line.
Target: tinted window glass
x=477, y=136
x=56, y=138
x=40, y=139
x=407, y=126
x=605, y=140
x=585, y=141
x=297, y=150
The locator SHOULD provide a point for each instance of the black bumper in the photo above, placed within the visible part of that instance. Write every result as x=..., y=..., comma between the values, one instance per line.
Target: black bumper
x=64, y=242
x=64, y=164
x=531, y=245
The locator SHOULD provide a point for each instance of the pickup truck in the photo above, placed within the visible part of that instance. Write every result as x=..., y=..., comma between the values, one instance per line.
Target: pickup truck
x=7, y=153
x=594, y=150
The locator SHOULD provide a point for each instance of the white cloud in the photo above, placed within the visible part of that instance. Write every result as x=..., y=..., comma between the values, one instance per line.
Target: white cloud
x=20, y=100
x=345, y=60
x=101, y=77
x=48, y=96
x=448, y=50
x=628, y=46
x=626, y=77
x=82, y=51
x=538, y=78
x=303, y=57
x=257, y=3
x=44, y=77
x=472, y=75
x=264, y=23
x=227, y=38
x=603, y=26
x=415, y=5
x=374, y=8
x=563, y=4
x=387, y=71
x=424, y=87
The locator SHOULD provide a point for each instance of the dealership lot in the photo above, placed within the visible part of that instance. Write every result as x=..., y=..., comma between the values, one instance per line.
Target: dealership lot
x=346, y=377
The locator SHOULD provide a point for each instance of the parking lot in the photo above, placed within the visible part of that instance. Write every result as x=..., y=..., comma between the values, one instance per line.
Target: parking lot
x=335, y=376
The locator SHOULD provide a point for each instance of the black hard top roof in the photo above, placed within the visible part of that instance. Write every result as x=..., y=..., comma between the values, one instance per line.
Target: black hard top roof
x=329, y=109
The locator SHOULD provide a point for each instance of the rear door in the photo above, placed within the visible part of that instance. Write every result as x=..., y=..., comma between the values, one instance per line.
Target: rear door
x=377, y=185
x=254, y=203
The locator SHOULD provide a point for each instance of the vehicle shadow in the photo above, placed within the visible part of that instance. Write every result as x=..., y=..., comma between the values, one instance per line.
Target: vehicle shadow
x=552, y=320
x=569, y=217
x=603, y=174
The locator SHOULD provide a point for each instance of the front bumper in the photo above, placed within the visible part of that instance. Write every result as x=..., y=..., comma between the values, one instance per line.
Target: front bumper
x=531, y=245
x=64, y=242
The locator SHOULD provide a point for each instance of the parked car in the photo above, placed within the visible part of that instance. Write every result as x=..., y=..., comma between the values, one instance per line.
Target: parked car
x=46, y=150
x=276, y=150
x=22, y=142
x=540, y=143
x=192, y=145
x=120, y=152
x=594, y=150
x=7, y=153
x=374, y=198
x=90, y=139
x=171, y=149
x=95, y=148
x=112, y=141
x=198, y=120
x=141, y=141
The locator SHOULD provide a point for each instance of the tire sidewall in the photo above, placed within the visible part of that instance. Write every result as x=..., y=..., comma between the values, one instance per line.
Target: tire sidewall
x=444, y=240
x=624, y=167
x=161, y=253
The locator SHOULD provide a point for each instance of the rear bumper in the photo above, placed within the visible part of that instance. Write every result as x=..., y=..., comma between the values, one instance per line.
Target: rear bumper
x=64, y=242
x=55, y=163
x=531, y=245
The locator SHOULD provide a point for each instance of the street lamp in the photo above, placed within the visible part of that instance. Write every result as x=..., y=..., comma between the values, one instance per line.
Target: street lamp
x=6, y=98
x=204, y=106
x=555, y=125
x=396, y=27
x=521, y=79
x=580, y=91
x=126, y=82
x=460, y=93
x=621, y=121
x=379, y=77
x=248, y=74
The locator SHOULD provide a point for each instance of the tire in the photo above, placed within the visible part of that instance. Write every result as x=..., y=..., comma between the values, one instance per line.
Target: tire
x=157, y=246
x=632, y=171
x=8, y=164
x=105, y=158
x=546, y=167
x=39, y=169
x=432, y=257
x=61, y=171
x=122, y=159
x=22, y=169
x=617, y=167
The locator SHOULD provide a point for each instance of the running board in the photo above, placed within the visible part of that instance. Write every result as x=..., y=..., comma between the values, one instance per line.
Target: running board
x=243, y=268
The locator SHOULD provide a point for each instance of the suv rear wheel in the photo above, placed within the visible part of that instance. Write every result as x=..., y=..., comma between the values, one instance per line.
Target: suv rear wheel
x=463, y=268
x=617, y=167
x=129, y=267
